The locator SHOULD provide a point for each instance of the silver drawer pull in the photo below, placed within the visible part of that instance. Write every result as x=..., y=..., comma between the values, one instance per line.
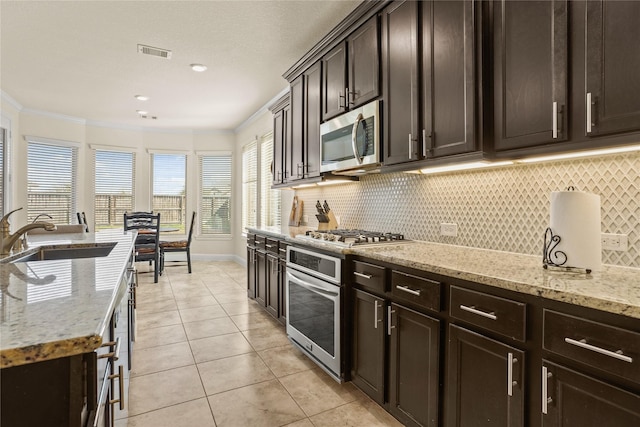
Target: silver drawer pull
x=584, y=344
x=269, y=246
x=282, y=250
x=474, y=310
x=546, y=400
x=408, y=290
x=366, y=276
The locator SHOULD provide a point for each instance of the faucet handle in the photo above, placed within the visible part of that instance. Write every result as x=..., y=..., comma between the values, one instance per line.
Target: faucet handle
x=4, y=222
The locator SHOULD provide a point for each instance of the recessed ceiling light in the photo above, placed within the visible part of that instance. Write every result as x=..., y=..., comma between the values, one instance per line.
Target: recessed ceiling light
x=198, y=67
x=141, y=98
x=142, y=112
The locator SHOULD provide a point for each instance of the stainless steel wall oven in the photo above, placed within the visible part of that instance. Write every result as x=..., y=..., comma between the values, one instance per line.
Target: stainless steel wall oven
x=314, y=306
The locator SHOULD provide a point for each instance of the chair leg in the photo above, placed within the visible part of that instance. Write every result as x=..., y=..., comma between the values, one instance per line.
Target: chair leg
x=155, y=271
x=189, y=259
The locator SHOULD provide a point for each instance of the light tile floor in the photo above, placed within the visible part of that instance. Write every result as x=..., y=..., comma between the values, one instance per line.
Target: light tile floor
x=206, y=356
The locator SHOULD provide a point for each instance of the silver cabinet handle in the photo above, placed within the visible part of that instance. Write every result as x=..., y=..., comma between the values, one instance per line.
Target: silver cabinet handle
x=347, y=101
x=545, y=389
x=410, y=146
x=554, y=120
x=472, y=309
x=510, y=382
x=101, y=397
x=364, y=276
x=120, y=376
x=269, y=246
x=390, y=312
x=588, y=112
x=424, y=143
x=584, y=344
x=408, y=290
x=375, y=314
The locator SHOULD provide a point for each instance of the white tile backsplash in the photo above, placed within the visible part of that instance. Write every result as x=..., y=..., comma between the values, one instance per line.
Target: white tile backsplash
x=505, y=208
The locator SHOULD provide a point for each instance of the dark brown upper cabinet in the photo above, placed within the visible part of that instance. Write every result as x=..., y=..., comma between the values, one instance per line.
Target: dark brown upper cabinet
x=530, y=73
x=352, y=71
x=304, y=148
x=448, y=78
x=612, y=97
x=400, y=84
x=281, y=137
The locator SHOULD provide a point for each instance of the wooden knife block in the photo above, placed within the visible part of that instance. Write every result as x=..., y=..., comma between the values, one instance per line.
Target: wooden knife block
x=331, y=225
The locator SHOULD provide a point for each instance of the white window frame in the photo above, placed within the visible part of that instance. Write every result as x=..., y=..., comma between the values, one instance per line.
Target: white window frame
x=75, y=147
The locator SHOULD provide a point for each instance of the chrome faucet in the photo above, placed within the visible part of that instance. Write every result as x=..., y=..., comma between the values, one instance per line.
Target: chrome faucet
x=8, y=240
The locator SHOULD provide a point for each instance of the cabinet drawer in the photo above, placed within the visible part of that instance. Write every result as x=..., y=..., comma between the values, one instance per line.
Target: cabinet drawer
x=369, y=275
x=596, y=344
x=251, y=239
x=500, y=315
x=261, y=242
x=271, y=245
x=417, y=290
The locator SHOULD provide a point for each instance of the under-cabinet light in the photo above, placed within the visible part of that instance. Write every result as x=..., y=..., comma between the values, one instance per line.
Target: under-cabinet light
x=335, y=181
x=580, y=154
x=295, y=187
x=464, y=166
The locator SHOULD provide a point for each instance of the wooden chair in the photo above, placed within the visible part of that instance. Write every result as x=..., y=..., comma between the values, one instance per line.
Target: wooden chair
x=147, y=246
x=82, y=219
x=180, y=245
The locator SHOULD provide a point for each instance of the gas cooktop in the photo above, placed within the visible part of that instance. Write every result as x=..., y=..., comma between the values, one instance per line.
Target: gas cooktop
x=349, y=237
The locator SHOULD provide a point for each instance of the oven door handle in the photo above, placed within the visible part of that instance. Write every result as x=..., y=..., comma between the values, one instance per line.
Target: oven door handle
x=311, y=287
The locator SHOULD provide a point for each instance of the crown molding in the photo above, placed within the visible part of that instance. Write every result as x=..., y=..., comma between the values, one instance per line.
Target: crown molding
x=9, y=100
x=262, y=110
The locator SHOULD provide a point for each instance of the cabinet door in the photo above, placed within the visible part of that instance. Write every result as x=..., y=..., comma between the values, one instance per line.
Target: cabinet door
x=294, y=154
x=251, y=272
x=334, y=82
x=364, y=64
x=313, y=111
x=282, y=278
x=613, y=64
x=485, y=381
x=261, y=278
x=576, y=400
x=449, y=78
x=367, y=359
x=273, y=301
x=400, y=81
x=413, y=366
x=279, y=142
x=530, y=66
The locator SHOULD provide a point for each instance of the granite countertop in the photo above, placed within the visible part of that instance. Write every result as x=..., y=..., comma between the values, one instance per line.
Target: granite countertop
x=614, y=289
x=269, y=231
x=59, y=308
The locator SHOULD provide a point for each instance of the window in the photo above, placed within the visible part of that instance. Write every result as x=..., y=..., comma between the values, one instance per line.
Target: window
x=269, y=198
x=169, y=189
x=215, y=194
x=52, y=179
x=249, y=185
x=260, y=204
x=114, y=187
x=3, y=146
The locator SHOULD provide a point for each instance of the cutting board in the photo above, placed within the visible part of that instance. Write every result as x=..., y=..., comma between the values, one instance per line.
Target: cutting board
x=296, y=212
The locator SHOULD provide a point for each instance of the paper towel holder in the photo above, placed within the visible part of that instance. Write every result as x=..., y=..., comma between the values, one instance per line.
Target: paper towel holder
x=556, y=258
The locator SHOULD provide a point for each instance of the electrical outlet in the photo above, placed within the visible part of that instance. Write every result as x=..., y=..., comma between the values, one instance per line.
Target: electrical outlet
x=615, y=242
x=305, y=219
x=449, y=229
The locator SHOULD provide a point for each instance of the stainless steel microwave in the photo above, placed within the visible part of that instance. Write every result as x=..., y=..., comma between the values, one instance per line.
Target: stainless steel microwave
x=350, y=143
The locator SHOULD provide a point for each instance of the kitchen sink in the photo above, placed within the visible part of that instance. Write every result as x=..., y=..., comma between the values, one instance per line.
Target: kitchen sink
x=89, y=250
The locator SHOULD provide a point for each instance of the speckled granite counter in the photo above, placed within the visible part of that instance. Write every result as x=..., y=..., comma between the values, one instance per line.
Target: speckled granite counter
x=614, y=289
x=59, y=308
x=268, y=231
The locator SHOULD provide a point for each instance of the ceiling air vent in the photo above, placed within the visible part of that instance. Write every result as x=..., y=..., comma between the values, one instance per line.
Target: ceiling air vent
x=154, y=51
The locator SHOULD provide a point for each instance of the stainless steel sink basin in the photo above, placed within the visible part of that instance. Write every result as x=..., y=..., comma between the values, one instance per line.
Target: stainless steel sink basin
x=90, y=250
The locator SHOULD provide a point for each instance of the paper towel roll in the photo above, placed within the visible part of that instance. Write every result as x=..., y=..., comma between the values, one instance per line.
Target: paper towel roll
x=575, y=217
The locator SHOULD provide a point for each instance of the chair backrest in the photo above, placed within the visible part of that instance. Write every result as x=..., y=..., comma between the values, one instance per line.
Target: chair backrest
x=82, y=219
x=193, y=219
x=141, y=221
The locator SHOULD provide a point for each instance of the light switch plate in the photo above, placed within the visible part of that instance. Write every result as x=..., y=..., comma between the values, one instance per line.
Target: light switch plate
x=449, y=229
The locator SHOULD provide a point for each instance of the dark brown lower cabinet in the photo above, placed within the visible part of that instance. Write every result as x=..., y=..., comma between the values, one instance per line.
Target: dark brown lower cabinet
x=251, y=272
x=367, y=358
x=261, y=277
x=272, y=281
x=414, y=367
x=485, y=381
x=577, y=400
x=282, y=288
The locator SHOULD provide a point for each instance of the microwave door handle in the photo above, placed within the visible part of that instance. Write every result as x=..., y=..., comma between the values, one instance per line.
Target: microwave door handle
x=309, y=286
x=354, y=134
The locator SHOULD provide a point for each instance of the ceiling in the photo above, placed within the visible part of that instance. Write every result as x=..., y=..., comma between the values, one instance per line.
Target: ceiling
x=80, y=58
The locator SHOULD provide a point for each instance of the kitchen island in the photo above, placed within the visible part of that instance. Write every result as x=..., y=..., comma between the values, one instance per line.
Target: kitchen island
x=62, y=315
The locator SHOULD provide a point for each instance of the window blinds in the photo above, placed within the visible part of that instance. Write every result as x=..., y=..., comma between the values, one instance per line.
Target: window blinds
x=114, y=187
x=249, y=184
x=215, y=194
x=269, y=199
